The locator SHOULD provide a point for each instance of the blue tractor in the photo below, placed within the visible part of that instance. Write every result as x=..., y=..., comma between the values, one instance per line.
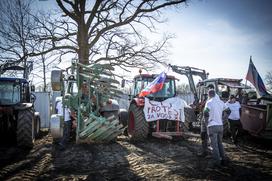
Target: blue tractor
x=19, y=123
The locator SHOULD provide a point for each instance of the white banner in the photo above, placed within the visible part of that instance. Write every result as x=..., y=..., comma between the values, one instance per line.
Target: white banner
x=171, y=109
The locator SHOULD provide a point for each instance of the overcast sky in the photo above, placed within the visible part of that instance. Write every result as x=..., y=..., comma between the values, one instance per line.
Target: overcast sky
x=220, y=35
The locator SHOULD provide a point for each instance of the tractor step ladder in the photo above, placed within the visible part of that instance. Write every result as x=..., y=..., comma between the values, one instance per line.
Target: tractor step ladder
x=166, y=135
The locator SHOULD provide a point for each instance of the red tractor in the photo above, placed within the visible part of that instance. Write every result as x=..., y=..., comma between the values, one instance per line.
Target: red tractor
x=138, y=127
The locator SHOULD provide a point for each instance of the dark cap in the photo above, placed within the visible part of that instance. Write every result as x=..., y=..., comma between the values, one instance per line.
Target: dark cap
x=211, y=93
x=231, y=97
x=210, y=86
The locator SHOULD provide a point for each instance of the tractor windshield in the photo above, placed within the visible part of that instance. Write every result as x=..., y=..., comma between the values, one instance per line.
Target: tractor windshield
x=9, y=93
x=72, y=88
x=168, y=89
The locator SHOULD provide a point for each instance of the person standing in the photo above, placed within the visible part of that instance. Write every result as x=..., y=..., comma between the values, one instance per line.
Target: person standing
x=213, y=111
x=67, y=123
x=203, y=130
x=234, y=117
x=203, y=125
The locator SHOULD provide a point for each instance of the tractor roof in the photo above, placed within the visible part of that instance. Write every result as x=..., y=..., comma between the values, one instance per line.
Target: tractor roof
x=13, y=79
x=222, y=80
x=152, y=76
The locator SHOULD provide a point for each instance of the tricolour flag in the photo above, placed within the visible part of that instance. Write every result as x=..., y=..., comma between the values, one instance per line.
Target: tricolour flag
x=155, y=86
x=254, y=77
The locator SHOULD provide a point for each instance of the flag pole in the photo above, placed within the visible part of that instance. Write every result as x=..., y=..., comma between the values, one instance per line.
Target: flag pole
x=246, y=84
x=250, y=60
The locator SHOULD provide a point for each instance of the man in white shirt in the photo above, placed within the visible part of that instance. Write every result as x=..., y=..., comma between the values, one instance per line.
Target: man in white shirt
x=214, y=110
x=234, y=117
x=67, y=123
x=203, y=126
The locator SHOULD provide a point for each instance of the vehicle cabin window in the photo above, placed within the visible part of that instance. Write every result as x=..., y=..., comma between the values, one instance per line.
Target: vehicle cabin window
x=10, y=93
x=233, y=91
x=72, y=88
x=140, y=85
x=223, y=91
x=25, y=92
x=204, y=93
x=168, y=89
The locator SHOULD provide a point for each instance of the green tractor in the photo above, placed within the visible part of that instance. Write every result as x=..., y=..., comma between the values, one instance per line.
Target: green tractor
x=18, y=120
x=89, y=92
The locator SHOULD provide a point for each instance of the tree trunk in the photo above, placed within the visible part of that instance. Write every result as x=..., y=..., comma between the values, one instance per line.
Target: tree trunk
x=44, y=76
x=25, y=76
x=82, y=38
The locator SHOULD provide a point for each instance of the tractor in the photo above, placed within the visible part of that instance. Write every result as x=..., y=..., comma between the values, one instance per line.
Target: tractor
x=89, y=92
x=18, y=120
x=138, y=127
x=193, y=113
x=225, y=87
x=256, y=113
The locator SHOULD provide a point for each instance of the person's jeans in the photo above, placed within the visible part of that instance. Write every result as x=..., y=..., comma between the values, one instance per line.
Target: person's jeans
x=235, y=127
x=204, y=136
x=216, y=135
x=66, y=132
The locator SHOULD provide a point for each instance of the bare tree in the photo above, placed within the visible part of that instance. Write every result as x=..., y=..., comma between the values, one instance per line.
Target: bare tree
x=20, y=40
x=44, y=63
x=109, y=31
x=268, y=79
x=102, y=31
x=16, y=37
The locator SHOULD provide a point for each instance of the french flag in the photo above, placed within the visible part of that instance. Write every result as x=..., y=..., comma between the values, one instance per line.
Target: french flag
x=155, y=86
x=254, y=77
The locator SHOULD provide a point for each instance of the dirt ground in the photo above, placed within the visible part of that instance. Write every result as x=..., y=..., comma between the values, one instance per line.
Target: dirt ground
x=152, y=159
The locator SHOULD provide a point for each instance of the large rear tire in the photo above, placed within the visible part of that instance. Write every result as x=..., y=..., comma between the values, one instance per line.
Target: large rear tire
x=190, y=117
x=123, y=119
x=137, y=125
x=25, y=128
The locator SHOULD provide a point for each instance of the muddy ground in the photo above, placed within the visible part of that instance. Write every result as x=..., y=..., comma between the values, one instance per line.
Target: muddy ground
x=152, y=159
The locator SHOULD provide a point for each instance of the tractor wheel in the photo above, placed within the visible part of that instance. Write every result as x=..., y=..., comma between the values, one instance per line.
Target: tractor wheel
x=137, y=125
x=123, y=119
x=25, y=128
x=37, y=127
x=190, y=117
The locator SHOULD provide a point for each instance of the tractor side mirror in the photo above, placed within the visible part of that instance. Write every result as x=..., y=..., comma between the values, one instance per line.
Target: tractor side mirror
x=123, y=83
x=32, y=97
x=32, y=88
x=129, y=97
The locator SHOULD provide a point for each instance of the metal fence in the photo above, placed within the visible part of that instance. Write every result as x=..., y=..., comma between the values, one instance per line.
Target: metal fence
x=42, y=105
x=124, y=102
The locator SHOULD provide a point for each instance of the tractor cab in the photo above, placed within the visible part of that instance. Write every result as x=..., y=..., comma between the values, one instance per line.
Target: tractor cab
x=168, y=90
x=14, y=91
x=225, y=87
